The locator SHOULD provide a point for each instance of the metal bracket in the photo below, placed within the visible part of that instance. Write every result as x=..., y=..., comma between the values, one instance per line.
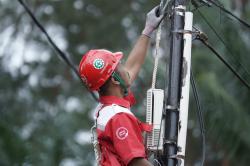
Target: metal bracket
x=200, y=35
x=180, y=13
x=180, y=10
x=180, y=7
x=185, y=31
x=170, y=142
x=179, y=158
x=170, y=107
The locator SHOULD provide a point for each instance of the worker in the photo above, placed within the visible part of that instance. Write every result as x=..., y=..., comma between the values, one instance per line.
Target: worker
x=119, y=131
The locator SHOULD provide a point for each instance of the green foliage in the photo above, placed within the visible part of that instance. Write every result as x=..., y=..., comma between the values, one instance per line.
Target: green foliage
x=46, y=114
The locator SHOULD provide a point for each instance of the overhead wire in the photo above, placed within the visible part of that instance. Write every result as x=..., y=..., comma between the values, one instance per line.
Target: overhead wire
x=243, y=22
x=211, y=3
x=197, y=101
x=57, y=49
x=201, y=37
x=200, y=117
x=196, y=96
x=196, y=5
x=224, y=43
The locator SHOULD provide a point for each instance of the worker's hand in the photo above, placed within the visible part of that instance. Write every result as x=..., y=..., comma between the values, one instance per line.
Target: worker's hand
x=152, y=22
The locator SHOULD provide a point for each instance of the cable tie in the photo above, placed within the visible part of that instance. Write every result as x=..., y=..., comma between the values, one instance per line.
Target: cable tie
x=170, y=142
x=183, y=31
x=169, y=107
x=179, y=158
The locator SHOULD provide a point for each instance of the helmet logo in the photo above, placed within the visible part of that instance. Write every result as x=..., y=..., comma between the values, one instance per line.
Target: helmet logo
x=98, y=63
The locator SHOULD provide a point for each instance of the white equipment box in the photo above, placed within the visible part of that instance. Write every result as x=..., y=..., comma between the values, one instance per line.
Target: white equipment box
x=154, y=140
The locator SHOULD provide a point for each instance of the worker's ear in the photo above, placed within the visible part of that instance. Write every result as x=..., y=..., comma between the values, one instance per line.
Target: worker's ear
x=114, y=81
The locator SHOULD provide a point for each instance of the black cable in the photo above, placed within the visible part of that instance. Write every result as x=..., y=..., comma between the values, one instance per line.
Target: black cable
x=60, y=53
x=223, y=42
x=200, y=6
x=199, y=37
x=230, y=13
x=196, y=5
x=200, y=117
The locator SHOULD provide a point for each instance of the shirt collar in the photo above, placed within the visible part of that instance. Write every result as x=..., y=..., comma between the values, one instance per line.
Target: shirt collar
x=108, y=100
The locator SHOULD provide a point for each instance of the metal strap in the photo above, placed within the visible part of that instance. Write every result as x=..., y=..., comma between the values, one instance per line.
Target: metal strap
x=185, y=31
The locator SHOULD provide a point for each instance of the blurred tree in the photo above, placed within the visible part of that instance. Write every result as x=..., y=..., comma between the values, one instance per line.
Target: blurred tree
x=46, y=114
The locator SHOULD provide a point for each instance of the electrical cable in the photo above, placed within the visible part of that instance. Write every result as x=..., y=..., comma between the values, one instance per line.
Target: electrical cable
x=196, y=5
x=157, y=162
x=162, y=8
x=158, y=141
x=223, y=42
x=210, y=3
x=204, y=41
x=200, y=117
x=230, y=13
x=200, y=6
x=57, y=49
x=162, y=11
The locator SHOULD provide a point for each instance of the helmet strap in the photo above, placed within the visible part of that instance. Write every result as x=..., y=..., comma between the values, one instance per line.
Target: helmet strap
x=118, y=78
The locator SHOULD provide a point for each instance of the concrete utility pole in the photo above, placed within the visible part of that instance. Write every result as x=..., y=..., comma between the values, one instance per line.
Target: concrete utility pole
x=169, y=157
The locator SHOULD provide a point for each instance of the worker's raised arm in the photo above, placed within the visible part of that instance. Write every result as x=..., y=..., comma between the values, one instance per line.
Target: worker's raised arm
x=138, y=53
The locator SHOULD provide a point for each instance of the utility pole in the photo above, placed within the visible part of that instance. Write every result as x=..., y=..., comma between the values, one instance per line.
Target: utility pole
x=173, y=95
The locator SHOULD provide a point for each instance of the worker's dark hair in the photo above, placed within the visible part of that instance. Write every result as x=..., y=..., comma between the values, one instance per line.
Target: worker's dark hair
x=104, y=87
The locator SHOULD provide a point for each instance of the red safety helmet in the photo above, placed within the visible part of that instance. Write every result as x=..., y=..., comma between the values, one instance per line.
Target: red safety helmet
x=97, y=66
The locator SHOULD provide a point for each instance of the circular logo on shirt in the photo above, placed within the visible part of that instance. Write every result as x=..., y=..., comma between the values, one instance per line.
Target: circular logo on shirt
x=98, y=63
x=121, y=133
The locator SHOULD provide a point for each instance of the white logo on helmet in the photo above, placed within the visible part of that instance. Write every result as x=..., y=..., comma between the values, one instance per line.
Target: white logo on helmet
x=98, y=63
x=121, y=133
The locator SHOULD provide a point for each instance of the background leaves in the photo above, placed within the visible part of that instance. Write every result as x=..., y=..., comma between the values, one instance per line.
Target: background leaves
x=46, y=113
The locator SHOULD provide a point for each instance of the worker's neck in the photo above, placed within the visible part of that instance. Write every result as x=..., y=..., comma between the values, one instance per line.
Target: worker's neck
x=115, y=91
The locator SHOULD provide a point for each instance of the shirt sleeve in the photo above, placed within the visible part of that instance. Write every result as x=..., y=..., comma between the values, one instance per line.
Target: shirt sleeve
x=126, y=135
